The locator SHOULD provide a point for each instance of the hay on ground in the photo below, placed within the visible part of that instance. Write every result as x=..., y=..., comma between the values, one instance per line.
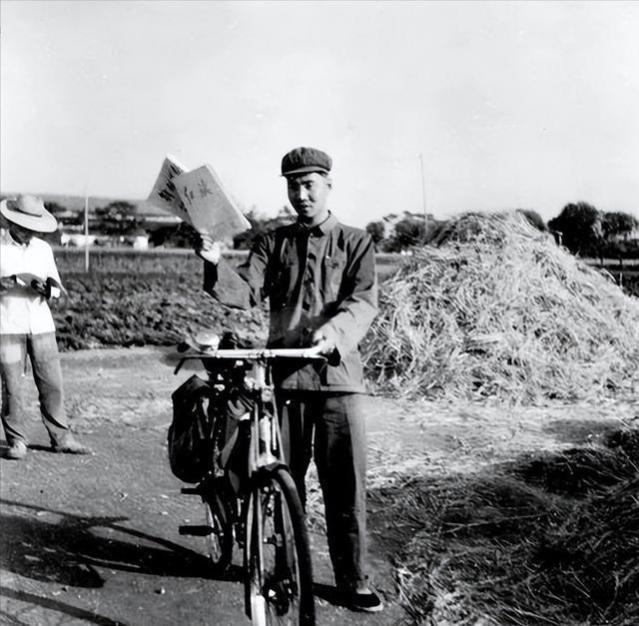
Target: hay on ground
x=498, y=550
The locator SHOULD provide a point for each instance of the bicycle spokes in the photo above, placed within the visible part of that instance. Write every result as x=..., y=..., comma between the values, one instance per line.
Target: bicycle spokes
x=278, y=580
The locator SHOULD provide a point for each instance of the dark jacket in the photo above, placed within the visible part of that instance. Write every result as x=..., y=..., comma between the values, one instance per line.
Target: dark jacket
x=318, y=278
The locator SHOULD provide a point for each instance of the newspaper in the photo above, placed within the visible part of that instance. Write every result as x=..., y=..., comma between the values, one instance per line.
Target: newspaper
x=199, y=198
x=164, y=194
x=211, y=209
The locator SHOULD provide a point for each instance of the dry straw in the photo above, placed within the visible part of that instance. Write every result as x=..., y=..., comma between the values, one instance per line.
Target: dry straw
x=510, y=549
x=494, y=308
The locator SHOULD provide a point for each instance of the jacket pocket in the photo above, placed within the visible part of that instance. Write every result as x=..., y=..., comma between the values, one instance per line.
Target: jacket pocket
x=334, y=275
x=283, y=284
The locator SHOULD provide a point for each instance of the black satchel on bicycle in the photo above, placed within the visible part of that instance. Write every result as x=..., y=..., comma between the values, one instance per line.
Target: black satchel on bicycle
x=191, y=432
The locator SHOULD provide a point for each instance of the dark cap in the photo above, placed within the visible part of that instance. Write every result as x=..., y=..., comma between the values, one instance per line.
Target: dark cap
x=305, y=160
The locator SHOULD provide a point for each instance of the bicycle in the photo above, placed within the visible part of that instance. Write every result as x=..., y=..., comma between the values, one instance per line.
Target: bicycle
x=249, y=496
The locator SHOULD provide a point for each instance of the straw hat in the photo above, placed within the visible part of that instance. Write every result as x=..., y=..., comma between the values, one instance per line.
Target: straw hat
x=29, y=212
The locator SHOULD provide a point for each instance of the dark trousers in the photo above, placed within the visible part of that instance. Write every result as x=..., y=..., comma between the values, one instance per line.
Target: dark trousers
x=331, y=429
x=42, y=351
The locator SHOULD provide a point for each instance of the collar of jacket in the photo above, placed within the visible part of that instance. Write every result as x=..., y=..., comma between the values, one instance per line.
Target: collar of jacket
x=8, y=240
x=320, y=229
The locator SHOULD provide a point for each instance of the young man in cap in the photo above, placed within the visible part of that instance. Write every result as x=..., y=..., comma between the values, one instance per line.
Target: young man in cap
x=28, y=279
x=319, y=276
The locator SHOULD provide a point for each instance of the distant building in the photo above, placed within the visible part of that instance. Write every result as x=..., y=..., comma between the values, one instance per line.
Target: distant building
x=67, y=218
x=77, y=240
x=141, y=242
x=160, y=220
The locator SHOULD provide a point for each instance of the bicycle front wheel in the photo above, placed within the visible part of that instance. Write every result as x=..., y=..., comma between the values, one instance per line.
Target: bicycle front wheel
x=277, y=556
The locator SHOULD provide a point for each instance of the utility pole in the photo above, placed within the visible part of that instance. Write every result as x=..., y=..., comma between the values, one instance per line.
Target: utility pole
x=421, y=163
x=86, y=232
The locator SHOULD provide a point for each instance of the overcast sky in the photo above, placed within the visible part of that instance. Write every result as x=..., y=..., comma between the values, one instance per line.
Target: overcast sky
x=511, y=104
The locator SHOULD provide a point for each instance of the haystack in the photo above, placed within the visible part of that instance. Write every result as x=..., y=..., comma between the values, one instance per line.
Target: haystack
x=495, y=308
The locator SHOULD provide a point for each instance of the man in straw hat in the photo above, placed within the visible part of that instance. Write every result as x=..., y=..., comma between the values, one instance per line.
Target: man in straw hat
x=28, y=279
x=320, y=278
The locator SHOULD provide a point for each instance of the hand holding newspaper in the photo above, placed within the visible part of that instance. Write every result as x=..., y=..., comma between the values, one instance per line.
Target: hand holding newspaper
x=209, y=249
x=198, y=198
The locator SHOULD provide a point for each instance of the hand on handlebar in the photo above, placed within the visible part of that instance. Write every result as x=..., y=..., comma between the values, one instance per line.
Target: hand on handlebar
x=207, y=248
x=325, y=345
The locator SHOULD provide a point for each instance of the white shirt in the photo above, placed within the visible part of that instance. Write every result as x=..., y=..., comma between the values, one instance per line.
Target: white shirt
x=22, y=310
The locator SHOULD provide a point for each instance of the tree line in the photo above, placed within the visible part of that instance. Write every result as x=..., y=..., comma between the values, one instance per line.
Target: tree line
x=580, y=227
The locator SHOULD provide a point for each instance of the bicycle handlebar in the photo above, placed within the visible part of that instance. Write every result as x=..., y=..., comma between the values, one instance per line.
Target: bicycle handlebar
x=247, y=354
x=254, y=354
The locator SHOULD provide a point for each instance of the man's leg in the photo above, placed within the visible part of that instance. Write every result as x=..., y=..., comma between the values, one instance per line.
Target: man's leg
x=12, y=364
x=340, y=456
x=296, y=424
x=45, y=360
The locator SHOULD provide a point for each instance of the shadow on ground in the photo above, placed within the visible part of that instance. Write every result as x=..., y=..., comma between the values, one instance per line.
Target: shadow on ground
x=51, y=605
x=54, y=546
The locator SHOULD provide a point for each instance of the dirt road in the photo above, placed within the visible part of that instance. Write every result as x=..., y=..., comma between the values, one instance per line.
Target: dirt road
x=93, y=540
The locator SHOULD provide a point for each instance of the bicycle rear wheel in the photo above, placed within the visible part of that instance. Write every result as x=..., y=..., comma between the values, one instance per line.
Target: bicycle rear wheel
x=277, y=556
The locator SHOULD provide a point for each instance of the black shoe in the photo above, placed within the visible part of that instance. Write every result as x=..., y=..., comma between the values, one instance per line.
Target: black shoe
x=368, y=601
x=70, y=445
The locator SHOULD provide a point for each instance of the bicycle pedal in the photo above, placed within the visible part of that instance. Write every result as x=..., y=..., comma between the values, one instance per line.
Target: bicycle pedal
x=195, y=531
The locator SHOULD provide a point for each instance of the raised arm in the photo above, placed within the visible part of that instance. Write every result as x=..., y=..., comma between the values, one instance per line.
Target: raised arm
x=241, y=287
